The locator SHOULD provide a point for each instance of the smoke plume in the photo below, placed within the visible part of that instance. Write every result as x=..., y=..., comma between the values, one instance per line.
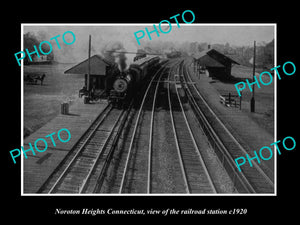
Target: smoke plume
x=114, y=51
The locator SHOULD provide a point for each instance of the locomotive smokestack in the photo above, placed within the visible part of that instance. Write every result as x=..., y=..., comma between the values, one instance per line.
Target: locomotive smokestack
x=115, y=52
x=120, y=59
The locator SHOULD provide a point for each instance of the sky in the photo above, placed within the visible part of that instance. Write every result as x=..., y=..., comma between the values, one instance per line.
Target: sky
x=234, y=35
x=106, y=36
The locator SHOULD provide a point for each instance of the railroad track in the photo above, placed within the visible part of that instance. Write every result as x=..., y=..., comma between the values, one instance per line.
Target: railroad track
x=251, y=179
x=194, y=170
x=140, y=168
x=81, y=170
x=137, y=167
x=166, y=170
x=136, y=175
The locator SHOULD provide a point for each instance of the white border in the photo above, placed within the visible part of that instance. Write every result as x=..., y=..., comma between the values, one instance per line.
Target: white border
x=149, y=24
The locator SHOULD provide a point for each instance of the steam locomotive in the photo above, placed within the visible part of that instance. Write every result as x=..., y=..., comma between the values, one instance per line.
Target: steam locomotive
x=126, y=83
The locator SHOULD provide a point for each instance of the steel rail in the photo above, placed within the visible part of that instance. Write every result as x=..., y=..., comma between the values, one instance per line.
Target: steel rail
x=218, y=142
x=134, y=132
x=81, y=189
x=184, y=174
x=229, y=133
x=194, y=141
x=242, y=178
x=110, y=155
x=151, y=136
x=109, y=108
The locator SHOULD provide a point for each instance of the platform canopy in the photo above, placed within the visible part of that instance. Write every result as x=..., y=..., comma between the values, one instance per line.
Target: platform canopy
x=98, y=66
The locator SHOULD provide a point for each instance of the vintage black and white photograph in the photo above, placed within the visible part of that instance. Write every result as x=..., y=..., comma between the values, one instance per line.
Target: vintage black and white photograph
x=138, y=109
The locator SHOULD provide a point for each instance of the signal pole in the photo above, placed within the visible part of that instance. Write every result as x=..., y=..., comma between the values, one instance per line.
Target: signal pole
x=252, y=102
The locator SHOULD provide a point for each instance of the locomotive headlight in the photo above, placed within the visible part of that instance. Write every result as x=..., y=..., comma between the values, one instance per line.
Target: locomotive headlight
x=120, y=85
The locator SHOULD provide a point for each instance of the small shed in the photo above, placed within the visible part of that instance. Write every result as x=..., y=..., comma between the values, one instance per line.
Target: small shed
x=102, y=71
x=217, y=64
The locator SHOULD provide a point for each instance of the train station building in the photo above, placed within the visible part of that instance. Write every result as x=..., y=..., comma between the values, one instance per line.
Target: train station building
x=217, y=64
x=102, y=71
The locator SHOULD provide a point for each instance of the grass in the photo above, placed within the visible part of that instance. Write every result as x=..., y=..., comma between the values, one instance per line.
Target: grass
x=42, y=102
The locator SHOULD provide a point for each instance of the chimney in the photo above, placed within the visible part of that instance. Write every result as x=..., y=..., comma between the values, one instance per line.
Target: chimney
x=208, y=46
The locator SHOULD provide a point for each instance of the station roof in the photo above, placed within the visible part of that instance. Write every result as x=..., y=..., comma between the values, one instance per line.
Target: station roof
x=216, y=55
x=208, y=61
x=98, y=66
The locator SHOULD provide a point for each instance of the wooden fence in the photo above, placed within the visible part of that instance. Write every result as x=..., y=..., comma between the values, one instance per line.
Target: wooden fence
x=230, y=100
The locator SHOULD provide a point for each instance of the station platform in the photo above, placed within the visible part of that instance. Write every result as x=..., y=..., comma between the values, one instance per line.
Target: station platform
x=37, y=168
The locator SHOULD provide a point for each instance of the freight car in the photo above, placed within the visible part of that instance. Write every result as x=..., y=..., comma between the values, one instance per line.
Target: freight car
x=128, y=82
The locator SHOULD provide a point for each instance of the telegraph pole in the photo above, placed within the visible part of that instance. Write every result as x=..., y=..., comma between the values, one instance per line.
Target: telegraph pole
x=89, y=64
x=252, y=102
